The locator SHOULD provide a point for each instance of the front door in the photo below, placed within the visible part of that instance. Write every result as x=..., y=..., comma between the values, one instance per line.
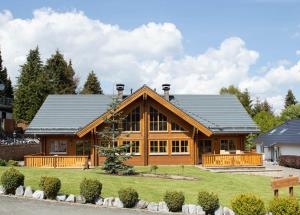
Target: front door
x=204, y=147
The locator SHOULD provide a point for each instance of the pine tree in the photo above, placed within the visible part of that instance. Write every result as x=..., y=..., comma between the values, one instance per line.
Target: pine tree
x=60, y=74
x=92, y=85
x=290, y=99
x=115, y=155
x=8, y=91
x=32, y=88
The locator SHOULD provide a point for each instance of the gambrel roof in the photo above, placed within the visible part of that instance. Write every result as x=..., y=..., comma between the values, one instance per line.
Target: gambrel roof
x=286, y=133
x=78, y=114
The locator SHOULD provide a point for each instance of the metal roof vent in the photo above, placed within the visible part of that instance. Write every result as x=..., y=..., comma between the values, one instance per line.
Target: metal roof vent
x=166, y=89
x=120, y=89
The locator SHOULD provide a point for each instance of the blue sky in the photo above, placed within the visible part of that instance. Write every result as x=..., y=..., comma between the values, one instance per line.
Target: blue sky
x=269, y=27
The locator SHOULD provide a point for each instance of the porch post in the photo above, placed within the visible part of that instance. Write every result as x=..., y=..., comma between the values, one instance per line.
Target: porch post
x=92, y=153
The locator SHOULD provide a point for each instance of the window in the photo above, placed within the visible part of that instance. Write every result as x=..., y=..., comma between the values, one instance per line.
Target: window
x=134, y=146
x=207, y=146
x=58, y=147
x=158, y=147
x=228, y=145
x=83, y=147
x=176, y=127
x=158, y=121
x=132, y=121
x=180, y=146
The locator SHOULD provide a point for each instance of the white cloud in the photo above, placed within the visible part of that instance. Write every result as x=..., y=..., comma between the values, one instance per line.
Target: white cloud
x=148, y=54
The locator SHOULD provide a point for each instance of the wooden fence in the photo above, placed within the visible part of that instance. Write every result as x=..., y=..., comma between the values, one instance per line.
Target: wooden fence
x=220, y=160
x=55, y=161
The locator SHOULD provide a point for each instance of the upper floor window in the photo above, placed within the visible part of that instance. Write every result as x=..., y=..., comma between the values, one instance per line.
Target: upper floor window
x=132, y=120
x=158, y=121
x=58, y=147
x=228, y=145
x=176, y=127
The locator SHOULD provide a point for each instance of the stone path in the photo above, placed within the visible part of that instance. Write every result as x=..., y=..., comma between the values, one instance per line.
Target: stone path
x=16, y=206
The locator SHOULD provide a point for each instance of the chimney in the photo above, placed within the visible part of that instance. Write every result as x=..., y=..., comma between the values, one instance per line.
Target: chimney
x=166, y=89
x=120, y=89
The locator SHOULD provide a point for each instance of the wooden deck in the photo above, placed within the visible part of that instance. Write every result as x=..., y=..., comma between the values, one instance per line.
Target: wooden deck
x=232, y=160
x=55, y=161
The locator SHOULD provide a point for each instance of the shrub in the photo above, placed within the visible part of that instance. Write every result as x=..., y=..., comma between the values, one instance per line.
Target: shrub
x=12, y=163
x=248, y=204
x=174, y=200
x=292, y=161
x=208, y=201
x=284, y=206
x=11, y=179
x=90, y=189
x=129, y=197
x=3, y=162
x=51, y=186
x=153, y=168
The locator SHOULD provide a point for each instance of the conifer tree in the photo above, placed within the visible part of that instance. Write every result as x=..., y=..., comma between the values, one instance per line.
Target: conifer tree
x=290, y=99
x=60, y=74
x=32, y=88
x=115, y=155
x=8, y=91
x=92, y=85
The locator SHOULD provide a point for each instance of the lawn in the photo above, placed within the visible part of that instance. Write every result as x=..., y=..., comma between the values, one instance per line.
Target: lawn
x=151, y=189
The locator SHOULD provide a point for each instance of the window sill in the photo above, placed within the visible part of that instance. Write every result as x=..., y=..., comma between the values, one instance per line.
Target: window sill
x=180, y=153
x=179, y=131
x=134, y=154
x=158, y=132
x=158, y=154
x=128, y=132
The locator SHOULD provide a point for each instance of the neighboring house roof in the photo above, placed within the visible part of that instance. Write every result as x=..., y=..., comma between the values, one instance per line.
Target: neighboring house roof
x=68, y=114
x=286, y=133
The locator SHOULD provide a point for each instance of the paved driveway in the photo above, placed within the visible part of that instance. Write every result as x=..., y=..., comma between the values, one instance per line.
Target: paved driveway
x=17, y=206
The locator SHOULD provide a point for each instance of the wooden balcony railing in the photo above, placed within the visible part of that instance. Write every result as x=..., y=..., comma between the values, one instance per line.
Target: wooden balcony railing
x=55, y=161
x=226, y=160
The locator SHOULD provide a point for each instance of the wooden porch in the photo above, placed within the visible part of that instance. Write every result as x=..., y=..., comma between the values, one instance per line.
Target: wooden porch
x=232, y=160
x=56, y=161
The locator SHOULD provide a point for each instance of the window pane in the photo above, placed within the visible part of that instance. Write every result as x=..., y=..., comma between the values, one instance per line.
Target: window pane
x=135, y=147
x=224, y=144
x=162, y=122
x=126, y=123
x=127, y=143
x=162, y=146
x=184, y=146
x=207, y=147
x=175, y=146
x=153, y=119
x=87, y=148
x=59, y=146
x=135, y=119
x=153, y=146
x=231, y=145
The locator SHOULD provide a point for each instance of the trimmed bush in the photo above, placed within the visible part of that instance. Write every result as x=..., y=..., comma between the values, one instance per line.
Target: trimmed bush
x=2, y=162
x=292, y=161
x=129, y=197
x=11, y=179
x=50, y=186
x=208, y=201
x=284, y=206
x=174, y=200
x=248, y=204
x=12, y=163
x=90, y=189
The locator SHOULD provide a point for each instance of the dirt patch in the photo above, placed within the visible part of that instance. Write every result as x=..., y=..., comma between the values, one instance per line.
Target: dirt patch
x=166, y=176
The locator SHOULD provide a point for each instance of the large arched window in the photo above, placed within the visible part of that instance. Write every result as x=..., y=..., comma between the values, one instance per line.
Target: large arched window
x=132, y=120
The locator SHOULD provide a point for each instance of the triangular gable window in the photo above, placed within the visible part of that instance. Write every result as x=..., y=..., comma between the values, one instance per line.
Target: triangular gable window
x=176, y=127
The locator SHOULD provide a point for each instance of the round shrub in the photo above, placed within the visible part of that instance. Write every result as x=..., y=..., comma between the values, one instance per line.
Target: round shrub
x=208, y=201
x=12, y=163
x=248, y=204
x=129, y=197
x=11, y=179
x=90, y=189
x=50, y=186
x=174, y=200
x=3, y=162
x=284, y=206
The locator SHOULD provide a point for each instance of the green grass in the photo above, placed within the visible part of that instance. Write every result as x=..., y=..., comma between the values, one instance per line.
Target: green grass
x=152, y=189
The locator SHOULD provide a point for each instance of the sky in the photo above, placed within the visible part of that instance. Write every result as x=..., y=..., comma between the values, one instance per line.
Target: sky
x=196, y=46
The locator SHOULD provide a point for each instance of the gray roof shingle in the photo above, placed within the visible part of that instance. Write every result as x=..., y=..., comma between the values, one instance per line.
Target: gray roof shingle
x=66, y=114
x=286, y=133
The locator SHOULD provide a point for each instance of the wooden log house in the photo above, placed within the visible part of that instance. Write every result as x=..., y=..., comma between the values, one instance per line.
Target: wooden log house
x=164, y=129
